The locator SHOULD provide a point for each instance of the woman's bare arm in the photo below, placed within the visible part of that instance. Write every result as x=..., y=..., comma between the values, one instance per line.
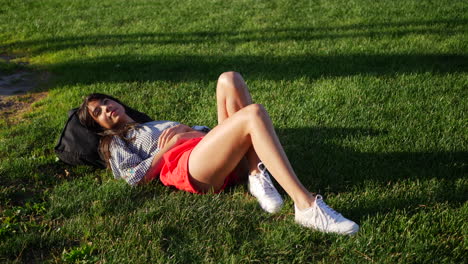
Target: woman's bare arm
x=169, y=133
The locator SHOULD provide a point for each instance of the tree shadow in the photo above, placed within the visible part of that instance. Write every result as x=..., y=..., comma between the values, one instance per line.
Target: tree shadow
x=141, y=67
x=269, y=35
x=188, y=68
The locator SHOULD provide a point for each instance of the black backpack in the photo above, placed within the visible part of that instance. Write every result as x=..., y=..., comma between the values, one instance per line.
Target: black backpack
x=78, y=145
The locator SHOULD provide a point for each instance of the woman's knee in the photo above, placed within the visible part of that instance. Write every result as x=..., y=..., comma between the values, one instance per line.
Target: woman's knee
x=230, y=82
x=229, y=77
x=256, y=111
x=231, y=85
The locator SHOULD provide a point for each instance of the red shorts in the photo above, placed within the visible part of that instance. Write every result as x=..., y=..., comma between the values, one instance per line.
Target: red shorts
x=175, y=168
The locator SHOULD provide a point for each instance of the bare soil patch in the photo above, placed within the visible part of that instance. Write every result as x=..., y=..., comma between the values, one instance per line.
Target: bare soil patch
x=14, y=105
x=17, y=82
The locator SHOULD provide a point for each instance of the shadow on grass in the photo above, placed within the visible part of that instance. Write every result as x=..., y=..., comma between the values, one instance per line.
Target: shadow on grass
x=177, y=68
x=422, y=178
x=136, y=67
x=174, y=243
x=442, y=27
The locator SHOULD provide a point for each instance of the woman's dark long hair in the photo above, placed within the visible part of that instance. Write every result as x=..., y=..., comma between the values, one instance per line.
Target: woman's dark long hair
x=106, y=134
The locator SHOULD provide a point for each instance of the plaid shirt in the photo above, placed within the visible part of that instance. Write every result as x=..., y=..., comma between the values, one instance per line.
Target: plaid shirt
x=131, y=160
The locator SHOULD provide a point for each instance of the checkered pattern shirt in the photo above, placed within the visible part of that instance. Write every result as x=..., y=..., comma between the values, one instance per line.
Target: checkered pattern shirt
x=131, y=160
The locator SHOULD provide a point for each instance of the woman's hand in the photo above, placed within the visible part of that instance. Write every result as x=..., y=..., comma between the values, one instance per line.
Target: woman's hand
x=156, y=164
x=169, y=133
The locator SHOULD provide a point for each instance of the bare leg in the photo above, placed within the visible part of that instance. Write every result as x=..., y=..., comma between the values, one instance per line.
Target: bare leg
x=220, y=151
x=232, y=95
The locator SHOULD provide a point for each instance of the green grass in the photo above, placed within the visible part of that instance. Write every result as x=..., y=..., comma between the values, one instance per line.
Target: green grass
x=368, y=98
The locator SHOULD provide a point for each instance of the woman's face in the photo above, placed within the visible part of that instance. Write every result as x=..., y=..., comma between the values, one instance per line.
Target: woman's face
x=108, y=113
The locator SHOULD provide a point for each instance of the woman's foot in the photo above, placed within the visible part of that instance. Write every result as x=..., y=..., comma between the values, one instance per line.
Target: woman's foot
x=261, y=186
x=323, y=218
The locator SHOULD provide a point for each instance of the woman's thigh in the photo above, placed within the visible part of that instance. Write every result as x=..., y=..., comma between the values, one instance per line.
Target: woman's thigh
x=219, y=152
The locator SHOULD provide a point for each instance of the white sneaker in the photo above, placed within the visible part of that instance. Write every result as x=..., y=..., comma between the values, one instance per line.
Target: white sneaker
x=323, y=218
x=261, y=186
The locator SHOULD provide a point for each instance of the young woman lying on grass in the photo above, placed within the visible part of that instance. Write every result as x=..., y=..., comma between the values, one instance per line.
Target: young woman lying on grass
x=196, y=162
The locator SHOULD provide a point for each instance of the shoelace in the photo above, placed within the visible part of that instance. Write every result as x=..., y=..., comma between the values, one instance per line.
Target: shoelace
x=265, y=178
x=320, y=211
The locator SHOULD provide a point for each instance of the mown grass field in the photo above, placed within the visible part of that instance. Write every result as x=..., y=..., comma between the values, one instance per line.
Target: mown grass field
x=369, y=99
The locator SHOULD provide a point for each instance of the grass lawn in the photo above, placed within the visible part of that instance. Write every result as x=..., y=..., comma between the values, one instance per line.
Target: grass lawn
x=367, y=98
